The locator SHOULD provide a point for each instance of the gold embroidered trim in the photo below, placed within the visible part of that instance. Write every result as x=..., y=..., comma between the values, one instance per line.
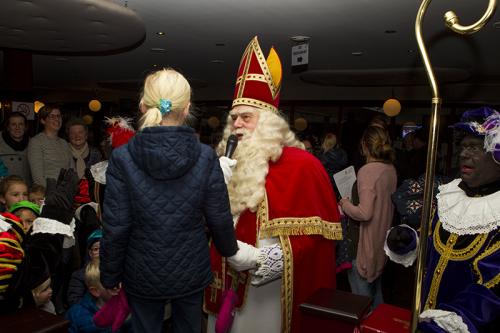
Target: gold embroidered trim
x=293, y=226
x=494, y=281
x=254, y=102
x=246, y=56
x=459, y=254
x=287, y=285
x=252, y=77
x=439, y=270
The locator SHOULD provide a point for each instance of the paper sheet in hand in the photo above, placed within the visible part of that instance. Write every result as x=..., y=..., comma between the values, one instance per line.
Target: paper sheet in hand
x=344, y=180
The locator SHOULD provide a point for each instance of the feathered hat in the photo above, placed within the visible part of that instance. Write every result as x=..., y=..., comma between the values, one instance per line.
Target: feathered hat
x=119, y=130
x=259, y=79
x=483, y=122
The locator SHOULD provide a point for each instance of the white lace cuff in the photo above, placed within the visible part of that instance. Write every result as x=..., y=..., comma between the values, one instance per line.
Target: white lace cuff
x=403, y=259
x=270, y=263
x=448, y=321
x=98, y=171
x=44, y=225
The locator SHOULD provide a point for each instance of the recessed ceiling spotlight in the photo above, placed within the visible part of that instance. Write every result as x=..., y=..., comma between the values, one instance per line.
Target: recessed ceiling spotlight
x=158, y=50
x=160, y=33
x=357, y=53
x=300, y=39
x=497, y=25
x=390, y=31
x=411, y=51
x=155, y=65
x=217, y=61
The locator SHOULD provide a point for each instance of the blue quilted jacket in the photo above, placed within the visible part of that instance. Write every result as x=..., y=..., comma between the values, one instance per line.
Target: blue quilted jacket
x=163, y=189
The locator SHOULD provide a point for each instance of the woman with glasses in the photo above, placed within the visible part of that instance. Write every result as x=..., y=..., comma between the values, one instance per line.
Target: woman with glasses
x=47, y=152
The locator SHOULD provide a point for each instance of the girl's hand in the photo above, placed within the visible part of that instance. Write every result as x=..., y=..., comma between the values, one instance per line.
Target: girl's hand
x=343, y=201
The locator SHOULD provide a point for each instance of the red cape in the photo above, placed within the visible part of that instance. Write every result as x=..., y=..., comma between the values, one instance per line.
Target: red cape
x=299, y=208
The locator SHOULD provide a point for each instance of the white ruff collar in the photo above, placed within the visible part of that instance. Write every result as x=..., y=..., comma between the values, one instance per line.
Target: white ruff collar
x=463, y=215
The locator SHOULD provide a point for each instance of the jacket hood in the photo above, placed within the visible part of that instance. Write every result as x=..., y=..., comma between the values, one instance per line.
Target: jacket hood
x=165, y=152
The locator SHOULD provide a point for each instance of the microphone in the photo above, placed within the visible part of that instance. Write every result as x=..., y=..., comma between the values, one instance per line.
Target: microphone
x=231, y=144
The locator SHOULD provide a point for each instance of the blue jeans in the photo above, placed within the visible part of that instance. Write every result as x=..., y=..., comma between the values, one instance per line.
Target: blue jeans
x=360, y=286
x=147, y=314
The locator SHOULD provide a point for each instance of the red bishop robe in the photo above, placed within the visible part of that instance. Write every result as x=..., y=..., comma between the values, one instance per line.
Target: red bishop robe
x=301, y=210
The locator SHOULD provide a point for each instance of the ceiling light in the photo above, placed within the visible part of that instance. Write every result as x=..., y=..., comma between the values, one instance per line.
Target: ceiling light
x=497, y=25
x=300, y=39
x=213, y=122
x=160, y=33
x=357, y=53
x=157, y=49
x=390, y=31
x=300, y=124
x=392, y=107
x=37, y=106
x=217, y=61
x=94, y=105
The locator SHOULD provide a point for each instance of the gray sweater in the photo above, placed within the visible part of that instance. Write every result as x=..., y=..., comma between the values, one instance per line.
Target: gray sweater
x=47, y=156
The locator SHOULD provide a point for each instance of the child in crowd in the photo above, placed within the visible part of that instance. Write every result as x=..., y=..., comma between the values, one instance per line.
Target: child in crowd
x=81, y=315
x=42, y=294
x=41, y=290
x=77, y=287
x=26, y=211
x=12, y=189
x=29, y=258
x=37, y=193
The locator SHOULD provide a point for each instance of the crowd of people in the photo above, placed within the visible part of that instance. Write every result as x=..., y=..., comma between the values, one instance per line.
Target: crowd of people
x=215, y=241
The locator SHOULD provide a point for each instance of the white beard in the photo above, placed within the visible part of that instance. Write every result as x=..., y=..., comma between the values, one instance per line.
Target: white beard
x=247, y=186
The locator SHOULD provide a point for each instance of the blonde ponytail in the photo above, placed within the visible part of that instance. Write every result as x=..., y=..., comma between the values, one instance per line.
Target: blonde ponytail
x=166, y=84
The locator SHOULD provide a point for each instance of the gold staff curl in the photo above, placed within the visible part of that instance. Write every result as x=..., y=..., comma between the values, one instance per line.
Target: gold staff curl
x=452, y=21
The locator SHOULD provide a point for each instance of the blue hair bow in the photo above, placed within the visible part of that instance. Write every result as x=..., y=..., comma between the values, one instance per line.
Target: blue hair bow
x=165, y=106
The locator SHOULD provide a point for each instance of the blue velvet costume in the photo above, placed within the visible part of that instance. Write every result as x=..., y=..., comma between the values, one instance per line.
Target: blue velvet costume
x=461, y=285
x=463, y=276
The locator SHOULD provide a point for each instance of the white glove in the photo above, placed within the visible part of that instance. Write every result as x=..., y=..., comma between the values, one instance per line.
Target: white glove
x=270, y=263
x=226, y=164
x=245, y=258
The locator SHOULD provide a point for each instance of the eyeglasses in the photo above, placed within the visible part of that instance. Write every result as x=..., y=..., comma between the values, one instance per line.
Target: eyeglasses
x=54, y=116
x=471, y=149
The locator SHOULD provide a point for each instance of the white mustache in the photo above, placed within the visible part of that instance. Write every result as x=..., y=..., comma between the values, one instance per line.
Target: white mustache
x=241, y=131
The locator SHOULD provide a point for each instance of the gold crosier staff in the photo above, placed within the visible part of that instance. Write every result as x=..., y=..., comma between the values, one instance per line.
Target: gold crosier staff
x=452, y=22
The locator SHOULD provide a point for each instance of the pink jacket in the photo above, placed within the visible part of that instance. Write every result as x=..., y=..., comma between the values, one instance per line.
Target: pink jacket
x=376, y=183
